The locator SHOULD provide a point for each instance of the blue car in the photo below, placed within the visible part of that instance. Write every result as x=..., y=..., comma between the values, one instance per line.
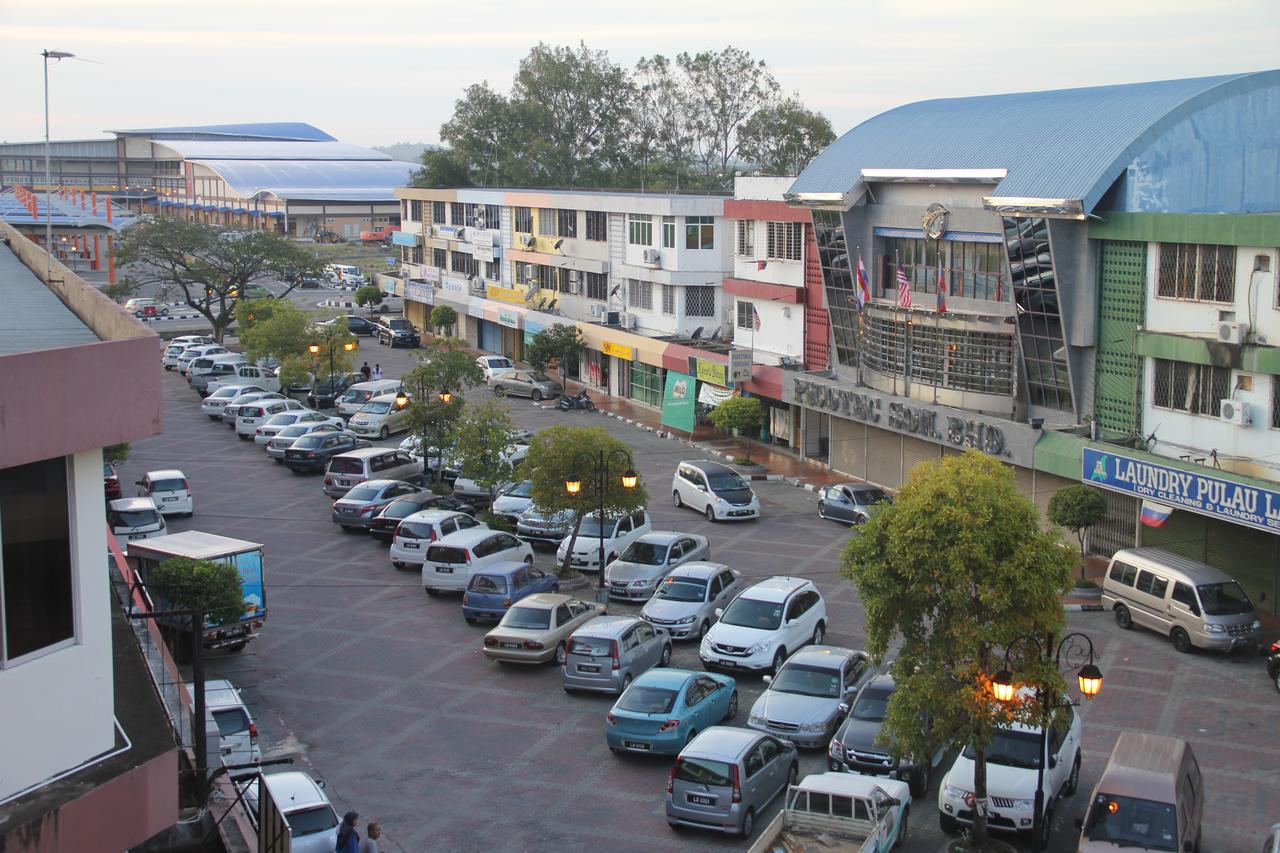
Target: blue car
x=491, y=591
x=664, y=709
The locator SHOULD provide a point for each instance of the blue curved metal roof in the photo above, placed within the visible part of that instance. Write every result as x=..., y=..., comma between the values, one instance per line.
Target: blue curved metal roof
x=320, y=180
x=1066, y=144
x=261, y=149
x=295, y=130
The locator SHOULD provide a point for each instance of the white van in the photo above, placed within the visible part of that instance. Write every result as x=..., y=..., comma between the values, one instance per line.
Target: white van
x=169, y=490
x=250, y=417
x=191, y=353
x=350, y=469
x=1150, y=797
x=345, y=275
x=450, y=562
x=1194, y=605
x=134, y=518
x=362, y=392
x=248, y=374
x=237, y=734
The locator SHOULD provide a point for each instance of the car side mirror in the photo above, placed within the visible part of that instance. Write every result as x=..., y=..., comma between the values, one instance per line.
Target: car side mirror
x=1079, y=823
x=768, y=679
x=843, y=707
x=138, y=482
x=1053, y=761
x=719, y=612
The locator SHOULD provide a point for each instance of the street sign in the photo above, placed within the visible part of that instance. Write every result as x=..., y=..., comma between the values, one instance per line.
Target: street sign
x=739, y=365
x=391, y=262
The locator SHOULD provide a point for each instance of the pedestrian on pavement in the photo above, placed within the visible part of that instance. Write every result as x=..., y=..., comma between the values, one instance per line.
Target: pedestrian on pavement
x=348, y=838
x=370, y=843
x=377, y=371
x=364, y=369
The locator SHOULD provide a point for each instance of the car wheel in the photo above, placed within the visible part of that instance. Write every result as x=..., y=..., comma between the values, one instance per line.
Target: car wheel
x=733, y=706
x=279, y=461
x=397, y=564
x=710, y=514
x=430, y=591
x=676, y=500
x=902, y=829
x=560, y=654
x=626, y=682
x=590, y=406
x=383, y=433
x=666, y=656
x=919, y=781
x=948, y=824
x=704, y=628
x=1181, y=641
x=499, y=391
x=536, y=396
x=793, y=775
x=242, y=437
x=471, y=620
x=1123, y=617
x=819, y=631
x=1046, y=829
x=779, y=658
x=1276, y=679
x=748, y=823
x=236, y=648
x=1073, y=781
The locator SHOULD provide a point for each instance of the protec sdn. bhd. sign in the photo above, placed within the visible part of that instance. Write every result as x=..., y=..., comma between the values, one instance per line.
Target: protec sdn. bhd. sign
x=1190, y=490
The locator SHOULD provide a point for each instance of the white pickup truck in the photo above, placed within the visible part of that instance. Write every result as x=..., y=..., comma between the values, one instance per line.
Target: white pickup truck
x=248, y=374
x=839, y=813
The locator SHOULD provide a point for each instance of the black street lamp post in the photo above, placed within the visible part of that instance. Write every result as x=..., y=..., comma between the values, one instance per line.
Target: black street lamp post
x=314, y=349
x=573, y=485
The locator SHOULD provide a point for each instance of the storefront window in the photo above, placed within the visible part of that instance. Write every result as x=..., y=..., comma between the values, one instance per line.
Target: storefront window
x=646, y=383
x=595, y=368
x=837, y=277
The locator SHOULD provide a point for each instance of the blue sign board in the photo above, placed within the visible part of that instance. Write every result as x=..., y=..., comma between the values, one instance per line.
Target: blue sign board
x=404, y=238
x=1190, y=490
x=417, y=292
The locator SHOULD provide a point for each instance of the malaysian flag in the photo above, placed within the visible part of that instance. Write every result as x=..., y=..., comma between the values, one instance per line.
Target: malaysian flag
x=755, y=318
x=863, y=293
x=904, y=290
x=942, y=291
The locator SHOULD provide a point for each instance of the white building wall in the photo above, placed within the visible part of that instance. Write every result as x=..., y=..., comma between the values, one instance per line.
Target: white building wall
x=781, y=330
x=57, y=709
x=1255, y=300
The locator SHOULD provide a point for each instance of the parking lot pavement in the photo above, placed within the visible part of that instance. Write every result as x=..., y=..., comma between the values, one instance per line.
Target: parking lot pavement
x=383, y=692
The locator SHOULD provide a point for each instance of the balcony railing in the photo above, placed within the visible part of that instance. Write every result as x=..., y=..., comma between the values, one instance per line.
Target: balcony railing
x=962, y=283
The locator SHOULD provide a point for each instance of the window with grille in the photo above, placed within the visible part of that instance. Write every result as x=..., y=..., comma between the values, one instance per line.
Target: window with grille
x=784, y=240
x=745, y=245
x=669, y=299
x=640, y=294
x=567, y=223
x=415, y=211
x=1197, y=389
x=1198, y=272
x=522, y=273
x=699, y=232
x=597, y=225
x=745, y=311
x=1275, y=402
x=597, y=286
x=440, y=258
x=461, y=262
x=668, y=232
x=437, y=212
x=699, y=301
x=523, y=219
x=639, y=229
x=491, y=271
x=546, y=222
x=457, y=213
x=489, y=216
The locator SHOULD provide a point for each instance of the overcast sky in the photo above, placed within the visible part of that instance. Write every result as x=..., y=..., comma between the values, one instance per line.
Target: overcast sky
x=386, y=71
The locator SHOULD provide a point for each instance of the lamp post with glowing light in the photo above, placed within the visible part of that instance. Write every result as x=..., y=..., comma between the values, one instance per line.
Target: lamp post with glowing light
x=314, y=349
x=1078, y=649
x=55, y=55
x=573, y=485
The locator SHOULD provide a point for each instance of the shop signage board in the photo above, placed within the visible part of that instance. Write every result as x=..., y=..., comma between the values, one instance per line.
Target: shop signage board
x=618, y=351
x=419, y=292
x=483, y=248
x=678, y=401
x=1206, y=494
x=740, y=365
x=709, y=371
x=508, y=318
x=454, y=285
x=505, y=294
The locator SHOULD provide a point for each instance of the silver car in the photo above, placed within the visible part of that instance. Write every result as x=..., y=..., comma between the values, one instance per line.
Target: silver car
x=608, y=652
x=645, y=562
x=806, y=699
x=538, y=525
x=726, y=777
x=525, y=383
x=355, y=509
x=686, y=601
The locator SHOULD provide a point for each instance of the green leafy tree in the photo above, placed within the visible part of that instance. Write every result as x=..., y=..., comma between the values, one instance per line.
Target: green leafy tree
x=480, y=442
x=206, y=265
x=559, y=344
x=1077, y=508
x=204, y=586
x=368, y=296
x=725, y=89
x=272, y=329
x=443, y=167
x=114, y=454
x=560, y=451
x=744, y=414
x=959, y=567
x=784, y=137
x=443, y=317
x=662, y=132
x=446, y=366
x=328, y=338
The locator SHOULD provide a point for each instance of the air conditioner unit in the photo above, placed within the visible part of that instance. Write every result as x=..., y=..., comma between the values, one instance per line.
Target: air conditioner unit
x=1231, y=332
x=653, y=256
x=574, y=276
x=611, y=318
x=627, y=320
x=530, y=241
x=1233, y=411
x=477, y=287
x=597, y=310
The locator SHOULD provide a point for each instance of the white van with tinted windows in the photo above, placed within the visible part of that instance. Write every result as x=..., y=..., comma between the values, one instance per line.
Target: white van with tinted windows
x=362, y=392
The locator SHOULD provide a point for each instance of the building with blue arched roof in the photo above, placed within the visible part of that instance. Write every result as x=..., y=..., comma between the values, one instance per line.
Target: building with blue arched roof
x=1056, y=275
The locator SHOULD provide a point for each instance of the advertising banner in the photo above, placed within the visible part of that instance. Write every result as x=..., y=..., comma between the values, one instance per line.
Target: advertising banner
x=709, y=371
x=678, y=401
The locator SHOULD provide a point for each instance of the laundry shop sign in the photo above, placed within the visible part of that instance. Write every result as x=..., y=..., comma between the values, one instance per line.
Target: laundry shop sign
x=940, y=424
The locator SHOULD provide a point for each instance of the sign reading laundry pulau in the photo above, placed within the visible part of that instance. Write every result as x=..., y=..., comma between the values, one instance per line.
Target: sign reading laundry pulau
x=1190, y=490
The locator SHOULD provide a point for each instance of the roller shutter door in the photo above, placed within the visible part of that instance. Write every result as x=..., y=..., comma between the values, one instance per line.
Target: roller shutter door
x=849, y=447
x=1117, y=530
x=884, y=457
x=1183, y=533
x=915, y=451
x=1024, y=479
x=1047, y=486
x=1250, y=556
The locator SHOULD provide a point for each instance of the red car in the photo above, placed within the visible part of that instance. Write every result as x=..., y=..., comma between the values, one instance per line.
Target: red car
x=110, y=482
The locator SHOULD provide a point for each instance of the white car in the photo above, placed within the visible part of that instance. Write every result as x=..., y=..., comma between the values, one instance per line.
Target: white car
x=717, y=491
x=285, y=438
x=380, y=417
x=638, y=572
x=249, y=417
x=1013, y=761
x=280, y=420
x=248, y=374
x=468, y=488
x=513, y=500
x=494, y=365
x=215, y=403
x=764, y=625
x=191, y=353
x=686, y=601
x=169, y=490
x=310, y=817
x=618, y=534
x=237, y=734
x=178, y=345
x=451, y=560
x=417, y=531
x=134, y=518
x=232, y=409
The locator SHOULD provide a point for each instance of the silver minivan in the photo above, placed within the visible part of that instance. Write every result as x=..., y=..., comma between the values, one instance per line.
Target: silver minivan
x=134, y=518
x=726, y=776
x=357, y=395
x=237, y=733
x=352, y=468
x=607, y=653
x=1195, y=605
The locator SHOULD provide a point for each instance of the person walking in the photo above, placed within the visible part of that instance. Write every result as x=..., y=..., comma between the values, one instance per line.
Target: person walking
x=348, y=838
x=377, y=371
x=370, y=843
x=366, y=371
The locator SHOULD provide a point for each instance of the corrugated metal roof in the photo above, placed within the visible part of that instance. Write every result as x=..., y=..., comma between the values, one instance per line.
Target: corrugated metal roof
x=225, y=149
x=1063, y=144
x=261, y=130
x=33, y=317
x=321, y=180
x=66, y=213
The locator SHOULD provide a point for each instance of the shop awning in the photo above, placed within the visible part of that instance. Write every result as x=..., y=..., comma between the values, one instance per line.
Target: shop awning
x=763, y=290
x=642, y=349
x=766, y=381
x=1059, y=453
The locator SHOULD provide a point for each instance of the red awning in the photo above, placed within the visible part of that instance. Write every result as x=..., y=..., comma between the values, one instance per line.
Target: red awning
x=762, y=290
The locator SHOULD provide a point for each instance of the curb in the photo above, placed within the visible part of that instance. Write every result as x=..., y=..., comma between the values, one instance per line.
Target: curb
x=1083, y=608
x=158, y=318
x=335, y=303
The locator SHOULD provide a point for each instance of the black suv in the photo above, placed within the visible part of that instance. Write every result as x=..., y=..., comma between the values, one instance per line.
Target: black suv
x=854, y=747
x=323, y=393
x=357, y=325
x=312, y=452
x=397, y=331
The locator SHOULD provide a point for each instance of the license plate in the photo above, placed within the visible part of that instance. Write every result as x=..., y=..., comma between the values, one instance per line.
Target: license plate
x=133, y=536
x=583, y=667
x=444, y=570
x=348, y=511
x=413, y=545
x=343, y=482
x=633, y=744
x=701, y=799
x=510, y=645
x=724, y=662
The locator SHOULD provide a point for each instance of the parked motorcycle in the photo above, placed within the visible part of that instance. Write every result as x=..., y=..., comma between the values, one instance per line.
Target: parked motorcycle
x=577, y=401
x=1273, y=665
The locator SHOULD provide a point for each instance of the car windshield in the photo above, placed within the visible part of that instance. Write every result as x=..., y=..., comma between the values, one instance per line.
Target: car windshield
x=647, y=700
x=446, y=554
x=591, y=528
x=375, y=408
x=539, y=377
x=1224, y=599
x=400, y=509
x=231, y=721
x=491, y=584
x=414, y=530
x=292, y=430
x=362, y=493
x=807, y=681
x=872, y=705
x=591, y=647
x=1012, y=749
x=726, y=481
x=498, y=362
x=134, y=517
x=530, y=618
x=520, y=490
x=682, y=589
x=346, y=466
x=1129, y=821
x=398, y=324
x=750, y=613
x=703, y=771
x=168, y=486
x=644, y=553
x=311, y=821
x=867, y=497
